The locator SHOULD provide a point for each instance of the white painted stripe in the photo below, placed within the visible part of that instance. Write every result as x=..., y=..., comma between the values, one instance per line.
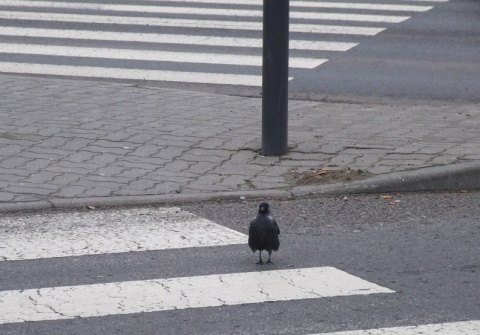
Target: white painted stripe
x=150, y=55
x=452, y=328
x=148, y=21
x=425, y=0
x=319, y=4
x=83, y=301
x=169, y=38
x=204, y=11
x=132, y=74
x=133, y=230
x=367, y=6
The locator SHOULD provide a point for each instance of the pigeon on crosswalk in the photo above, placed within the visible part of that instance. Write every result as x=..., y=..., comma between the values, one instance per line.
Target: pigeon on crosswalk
x=263, y=232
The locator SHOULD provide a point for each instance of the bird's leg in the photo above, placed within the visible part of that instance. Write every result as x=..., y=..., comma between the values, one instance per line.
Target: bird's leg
x=260, y=261
x=269, y=254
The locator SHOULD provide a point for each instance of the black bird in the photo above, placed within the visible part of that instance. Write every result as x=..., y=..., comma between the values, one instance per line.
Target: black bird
x=263, y=232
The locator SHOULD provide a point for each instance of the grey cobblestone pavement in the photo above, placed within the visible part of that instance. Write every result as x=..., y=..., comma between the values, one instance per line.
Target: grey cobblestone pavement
x=79, y=139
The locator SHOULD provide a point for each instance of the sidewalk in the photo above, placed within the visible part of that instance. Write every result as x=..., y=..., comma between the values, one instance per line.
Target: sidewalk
x=71, y=139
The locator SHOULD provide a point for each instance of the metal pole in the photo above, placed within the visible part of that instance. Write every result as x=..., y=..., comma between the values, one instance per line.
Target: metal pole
x=275, y=77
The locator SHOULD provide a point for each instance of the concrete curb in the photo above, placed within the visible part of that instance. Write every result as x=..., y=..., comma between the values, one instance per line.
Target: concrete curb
x=465, y=176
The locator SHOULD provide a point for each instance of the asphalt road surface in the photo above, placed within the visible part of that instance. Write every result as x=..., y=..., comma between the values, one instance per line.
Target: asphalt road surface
x=347, y=51
x=344, y=264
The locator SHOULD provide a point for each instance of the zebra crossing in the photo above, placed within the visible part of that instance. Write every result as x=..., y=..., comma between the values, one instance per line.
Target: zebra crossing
x=189, y=41
x=40, y=237
x=81, y=234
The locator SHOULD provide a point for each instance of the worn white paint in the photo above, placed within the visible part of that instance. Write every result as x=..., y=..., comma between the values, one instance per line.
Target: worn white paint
x=150, y=55
x=169, y=38
x=203, y=11
x=321, y=4
x=132, y=74
x=54, y=303
x=170, y=22
x=452, y=328
x=76, y=234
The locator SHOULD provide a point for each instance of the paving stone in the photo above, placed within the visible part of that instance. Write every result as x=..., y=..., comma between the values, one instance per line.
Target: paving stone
x=367, y=160
x=302, y=164
x=65, y=179
x=200, y=168
x=147, y=150
x=41, y=190
x=380, y=169
x=73, y=167
x=165, y=188
x=37, y=164
x=177, y=166
x=266, y=160
x=434, y=149
x=242, y=156
x=70, y=191
x=343, y=160
x=189, y=157
x=274, y=171
x=444, y=159
x=332, y=148
x=14, y=162
x=110, y=170
x=300, y=156
x=413, y=156
x=53, y=142
x=80, y=156
x=6, y=197
x=76, y=144
x=41, y=176
x=265, y=185
x=11, y=150
x=104, y=158
x=232, y=182
x=98, y=191
x=405, y=162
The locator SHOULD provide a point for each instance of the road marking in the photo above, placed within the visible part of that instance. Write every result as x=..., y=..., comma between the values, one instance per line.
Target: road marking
x=132, y=74
x=204, y=11
x=150, y=55
x=68, y=302
x=162, y=22
x=425, y=0
x=132, y=230
x=170, y=38
x=453, y=328
x=313, y=4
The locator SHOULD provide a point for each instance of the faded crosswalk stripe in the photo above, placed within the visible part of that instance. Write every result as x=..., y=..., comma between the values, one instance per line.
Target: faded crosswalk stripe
x=170, y=38
x=152, y=55
x=63, y=235
x=56, y=303
x=452, y=328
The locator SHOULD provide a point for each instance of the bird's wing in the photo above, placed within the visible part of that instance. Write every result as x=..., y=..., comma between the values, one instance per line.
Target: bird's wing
x=276, y=225
x=253, y=226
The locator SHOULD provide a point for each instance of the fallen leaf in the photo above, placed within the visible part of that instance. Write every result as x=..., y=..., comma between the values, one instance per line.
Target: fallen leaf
x=386, y=197
x=323, y=171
